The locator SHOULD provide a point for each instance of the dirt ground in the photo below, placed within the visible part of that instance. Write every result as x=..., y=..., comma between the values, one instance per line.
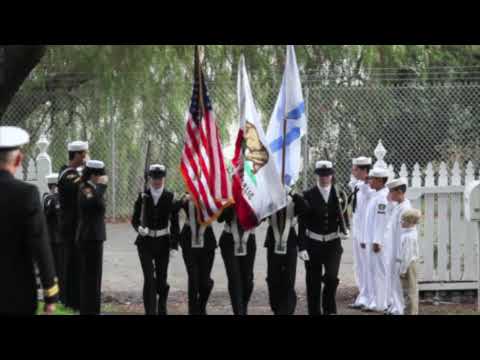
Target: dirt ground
x=130, y=304
x=123, y=281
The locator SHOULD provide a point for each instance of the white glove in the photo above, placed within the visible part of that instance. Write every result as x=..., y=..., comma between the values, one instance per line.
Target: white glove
x=143, y=231
x=303, y=255
x=345, y=236
x=103, y=180
x=173, y=254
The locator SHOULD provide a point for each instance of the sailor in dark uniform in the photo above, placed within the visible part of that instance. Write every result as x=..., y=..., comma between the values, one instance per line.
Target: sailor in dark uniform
x=91, y=235
x=158, y=230
x=238, y=250
x=198, y=250
x=68, y=184
x=321, y=229
x=51, y=208
x=281, y=243
x=23, y=235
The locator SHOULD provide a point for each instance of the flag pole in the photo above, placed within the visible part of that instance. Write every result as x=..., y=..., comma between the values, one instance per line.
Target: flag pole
x=284, y=147
x=200, y=81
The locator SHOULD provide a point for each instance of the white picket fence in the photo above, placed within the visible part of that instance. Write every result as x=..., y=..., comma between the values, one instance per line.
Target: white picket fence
x=38, y=169
x=448, y=243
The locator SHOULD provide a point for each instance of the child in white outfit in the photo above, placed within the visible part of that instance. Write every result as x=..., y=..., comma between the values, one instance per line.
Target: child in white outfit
x=407, y=259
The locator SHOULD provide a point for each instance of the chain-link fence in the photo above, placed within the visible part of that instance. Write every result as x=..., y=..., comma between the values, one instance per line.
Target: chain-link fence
x=416, y=122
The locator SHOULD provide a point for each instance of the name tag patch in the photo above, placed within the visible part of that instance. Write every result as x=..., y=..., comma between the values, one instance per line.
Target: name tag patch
x=382, y=209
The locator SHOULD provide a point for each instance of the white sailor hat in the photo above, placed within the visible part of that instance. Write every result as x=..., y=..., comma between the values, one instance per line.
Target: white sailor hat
x=157, y=167
x=362, y=161
x=323, y=165
x=379, y=173
x=157, y=171
x=395, y=183
x=52, y=179
x=12, y=138
x=95, y=164
x=324, y=168
x=78, y=146
x=94, y=167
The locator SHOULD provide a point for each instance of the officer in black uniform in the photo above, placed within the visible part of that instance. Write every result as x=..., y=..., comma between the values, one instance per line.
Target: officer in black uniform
x=321, y=229
x=23, y=235
x=238, y=250
x=91, y=234
x=198, y=250
x=68, y=184
x=155, y=218
x=51, y=208
x=281, y=243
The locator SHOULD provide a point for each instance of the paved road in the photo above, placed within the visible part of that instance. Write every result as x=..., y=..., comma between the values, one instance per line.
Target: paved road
x=122, y=271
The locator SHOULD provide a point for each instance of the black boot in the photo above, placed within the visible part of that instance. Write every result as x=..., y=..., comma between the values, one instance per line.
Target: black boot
x=204, y=296
x=162, y=301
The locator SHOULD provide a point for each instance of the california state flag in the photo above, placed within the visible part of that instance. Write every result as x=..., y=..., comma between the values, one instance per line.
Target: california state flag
x=257, y=187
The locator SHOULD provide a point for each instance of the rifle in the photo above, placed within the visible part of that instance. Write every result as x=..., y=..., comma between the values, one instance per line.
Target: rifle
x=344, y=209
x=143, y=221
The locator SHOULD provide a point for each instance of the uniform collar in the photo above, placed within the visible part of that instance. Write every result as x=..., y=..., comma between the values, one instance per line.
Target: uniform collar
x=156, y=191
x=6, y=174
x=382, y=191
x=322, y=189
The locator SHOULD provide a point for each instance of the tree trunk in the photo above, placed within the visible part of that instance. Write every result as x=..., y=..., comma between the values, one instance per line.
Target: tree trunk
x=16, y=63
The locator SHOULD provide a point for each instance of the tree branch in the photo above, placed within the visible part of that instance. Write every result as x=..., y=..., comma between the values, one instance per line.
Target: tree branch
x=16, y=63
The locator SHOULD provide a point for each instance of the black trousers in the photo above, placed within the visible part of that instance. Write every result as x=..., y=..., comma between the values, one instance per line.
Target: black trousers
x=323, y=267
x=199, y=263
x=154, y=261
x=71, y=272
x=281, y=275
x=91, y=260
x=239, y=273
x=58, y=250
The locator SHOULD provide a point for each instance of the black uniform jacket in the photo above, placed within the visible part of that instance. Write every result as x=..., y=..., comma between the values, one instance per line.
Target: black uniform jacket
x=321, y=217
x=91, y=212
x=51, y=208
x=23, y=243
x=227, y=217
x=210, y=242
x=68, y=185
x=157, y=217
x=299, y=208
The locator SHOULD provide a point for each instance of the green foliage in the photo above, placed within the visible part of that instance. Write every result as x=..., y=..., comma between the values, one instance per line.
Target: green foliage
x=140, y=90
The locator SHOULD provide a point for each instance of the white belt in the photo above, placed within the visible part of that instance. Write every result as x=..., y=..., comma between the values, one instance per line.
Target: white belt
x=240, y=242
x=158, y=233
x=322, y=238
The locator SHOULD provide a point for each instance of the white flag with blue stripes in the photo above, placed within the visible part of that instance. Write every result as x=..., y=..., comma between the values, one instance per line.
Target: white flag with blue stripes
x=290, y=107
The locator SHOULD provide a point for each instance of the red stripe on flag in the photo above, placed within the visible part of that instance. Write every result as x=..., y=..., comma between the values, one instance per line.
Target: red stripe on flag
x=211, y=179
x=198, y=192
x=200, y=188
x=195, y=150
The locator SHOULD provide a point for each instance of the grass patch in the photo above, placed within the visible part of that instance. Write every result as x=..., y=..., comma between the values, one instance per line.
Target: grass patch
x=59, y=311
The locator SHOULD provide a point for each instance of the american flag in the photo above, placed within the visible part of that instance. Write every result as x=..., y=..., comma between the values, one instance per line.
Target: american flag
x=203, y=167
